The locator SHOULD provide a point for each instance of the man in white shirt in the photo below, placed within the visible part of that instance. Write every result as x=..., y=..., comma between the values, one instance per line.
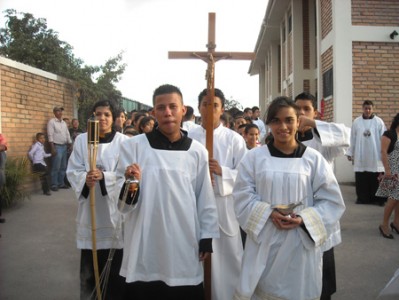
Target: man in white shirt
x=189, y=119
x=261, y=125
x=59, y=139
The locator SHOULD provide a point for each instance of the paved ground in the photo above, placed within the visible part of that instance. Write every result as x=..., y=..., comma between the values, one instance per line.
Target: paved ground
x=39, y=260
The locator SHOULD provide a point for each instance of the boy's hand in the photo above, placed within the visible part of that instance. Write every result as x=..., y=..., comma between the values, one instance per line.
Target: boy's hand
x=306, y=123
x=214, y=167
x=203, y=256
x=93, y=176
x=286, y=222
x=133, y=171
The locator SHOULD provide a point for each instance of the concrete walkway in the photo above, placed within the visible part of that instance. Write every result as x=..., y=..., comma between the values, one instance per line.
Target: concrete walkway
x=39, y=259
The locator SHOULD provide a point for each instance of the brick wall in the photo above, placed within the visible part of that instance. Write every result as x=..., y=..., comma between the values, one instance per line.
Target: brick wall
x=375, y=70
x=27, y=98
x=326, y=64
x=327, y=60
x=306, y=38
x=375, y=12
x=306, y=85
x=27, y=102
x=326, y=17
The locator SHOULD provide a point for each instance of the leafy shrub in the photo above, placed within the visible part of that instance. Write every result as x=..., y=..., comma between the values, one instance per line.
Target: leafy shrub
x=17, y=171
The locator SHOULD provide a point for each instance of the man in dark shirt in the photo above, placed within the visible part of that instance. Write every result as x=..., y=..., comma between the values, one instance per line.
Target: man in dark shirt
x=74, y=131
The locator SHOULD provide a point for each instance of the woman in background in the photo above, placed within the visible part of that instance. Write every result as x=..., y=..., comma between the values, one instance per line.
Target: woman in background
x=108, y=218
x=120, y=120
x=389, y=185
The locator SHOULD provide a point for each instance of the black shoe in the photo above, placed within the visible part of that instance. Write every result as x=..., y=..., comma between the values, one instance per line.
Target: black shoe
x=2, y=220
x=54, y=188
x=63, y=187
x=394, y=228
x=47, y=193
x=387, y=236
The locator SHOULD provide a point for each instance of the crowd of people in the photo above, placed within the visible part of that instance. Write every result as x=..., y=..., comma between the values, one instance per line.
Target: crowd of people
x=266, y=203
x=182, y=205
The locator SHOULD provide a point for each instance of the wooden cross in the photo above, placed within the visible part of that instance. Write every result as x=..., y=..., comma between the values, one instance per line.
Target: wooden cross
x=210, y=57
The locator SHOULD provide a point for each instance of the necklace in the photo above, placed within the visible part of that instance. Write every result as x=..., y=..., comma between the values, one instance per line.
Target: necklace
x=366, y=132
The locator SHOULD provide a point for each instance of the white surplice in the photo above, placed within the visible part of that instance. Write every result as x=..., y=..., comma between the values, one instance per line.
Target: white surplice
x=228, y=149
x=365, y=145
x=108, y=218
x=176, y=209
x=284, y=264
x=333, y=141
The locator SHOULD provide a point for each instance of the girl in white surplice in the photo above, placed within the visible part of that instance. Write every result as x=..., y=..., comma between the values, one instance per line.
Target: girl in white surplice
x=282, y=258
x=108, y=218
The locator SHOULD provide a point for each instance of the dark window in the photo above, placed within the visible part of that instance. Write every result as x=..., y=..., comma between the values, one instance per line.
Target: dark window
x=289, y=23
x=328, y=83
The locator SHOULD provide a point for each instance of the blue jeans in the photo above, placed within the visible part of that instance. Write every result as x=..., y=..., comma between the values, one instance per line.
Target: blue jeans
x=59, y=165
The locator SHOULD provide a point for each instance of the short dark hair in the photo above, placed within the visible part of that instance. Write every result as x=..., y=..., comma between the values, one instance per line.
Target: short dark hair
x=239, y=115
x=226, y=117
x=247, y=109
x=106, y=103
x=166, y=89
x=218, y=93
x=144, y=121
x=254, y=109
x=189, y=113
x=368, y=102
x=119, y=111
x=307, y=96
x=277, y=104
x=248, y=119
x=39, y=134
x=249, y=126
x=233, y=111
x=130, y=130
x=138, y=116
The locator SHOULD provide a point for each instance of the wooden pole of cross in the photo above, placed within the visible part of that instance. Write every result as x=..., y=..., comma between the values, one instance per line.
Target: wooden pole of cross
x=210, y=57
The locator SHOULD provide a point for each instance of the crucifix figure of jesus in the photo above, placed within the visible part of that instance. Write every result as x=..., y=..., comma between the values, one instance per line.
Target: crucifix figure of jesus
x=210, y=57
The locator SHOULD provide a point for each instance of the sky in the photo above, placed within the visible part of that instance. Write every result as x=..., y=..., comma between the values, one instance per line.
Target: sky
x=145, y=30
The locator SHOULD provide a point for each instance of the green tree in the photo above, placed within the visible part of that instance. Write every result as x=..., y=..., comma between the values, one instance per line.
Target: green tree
x=28, y=40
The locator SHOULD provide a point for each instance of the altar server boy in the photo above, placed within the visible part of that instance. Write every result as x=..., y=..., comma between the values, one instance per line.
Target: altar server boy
x=170, y=217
